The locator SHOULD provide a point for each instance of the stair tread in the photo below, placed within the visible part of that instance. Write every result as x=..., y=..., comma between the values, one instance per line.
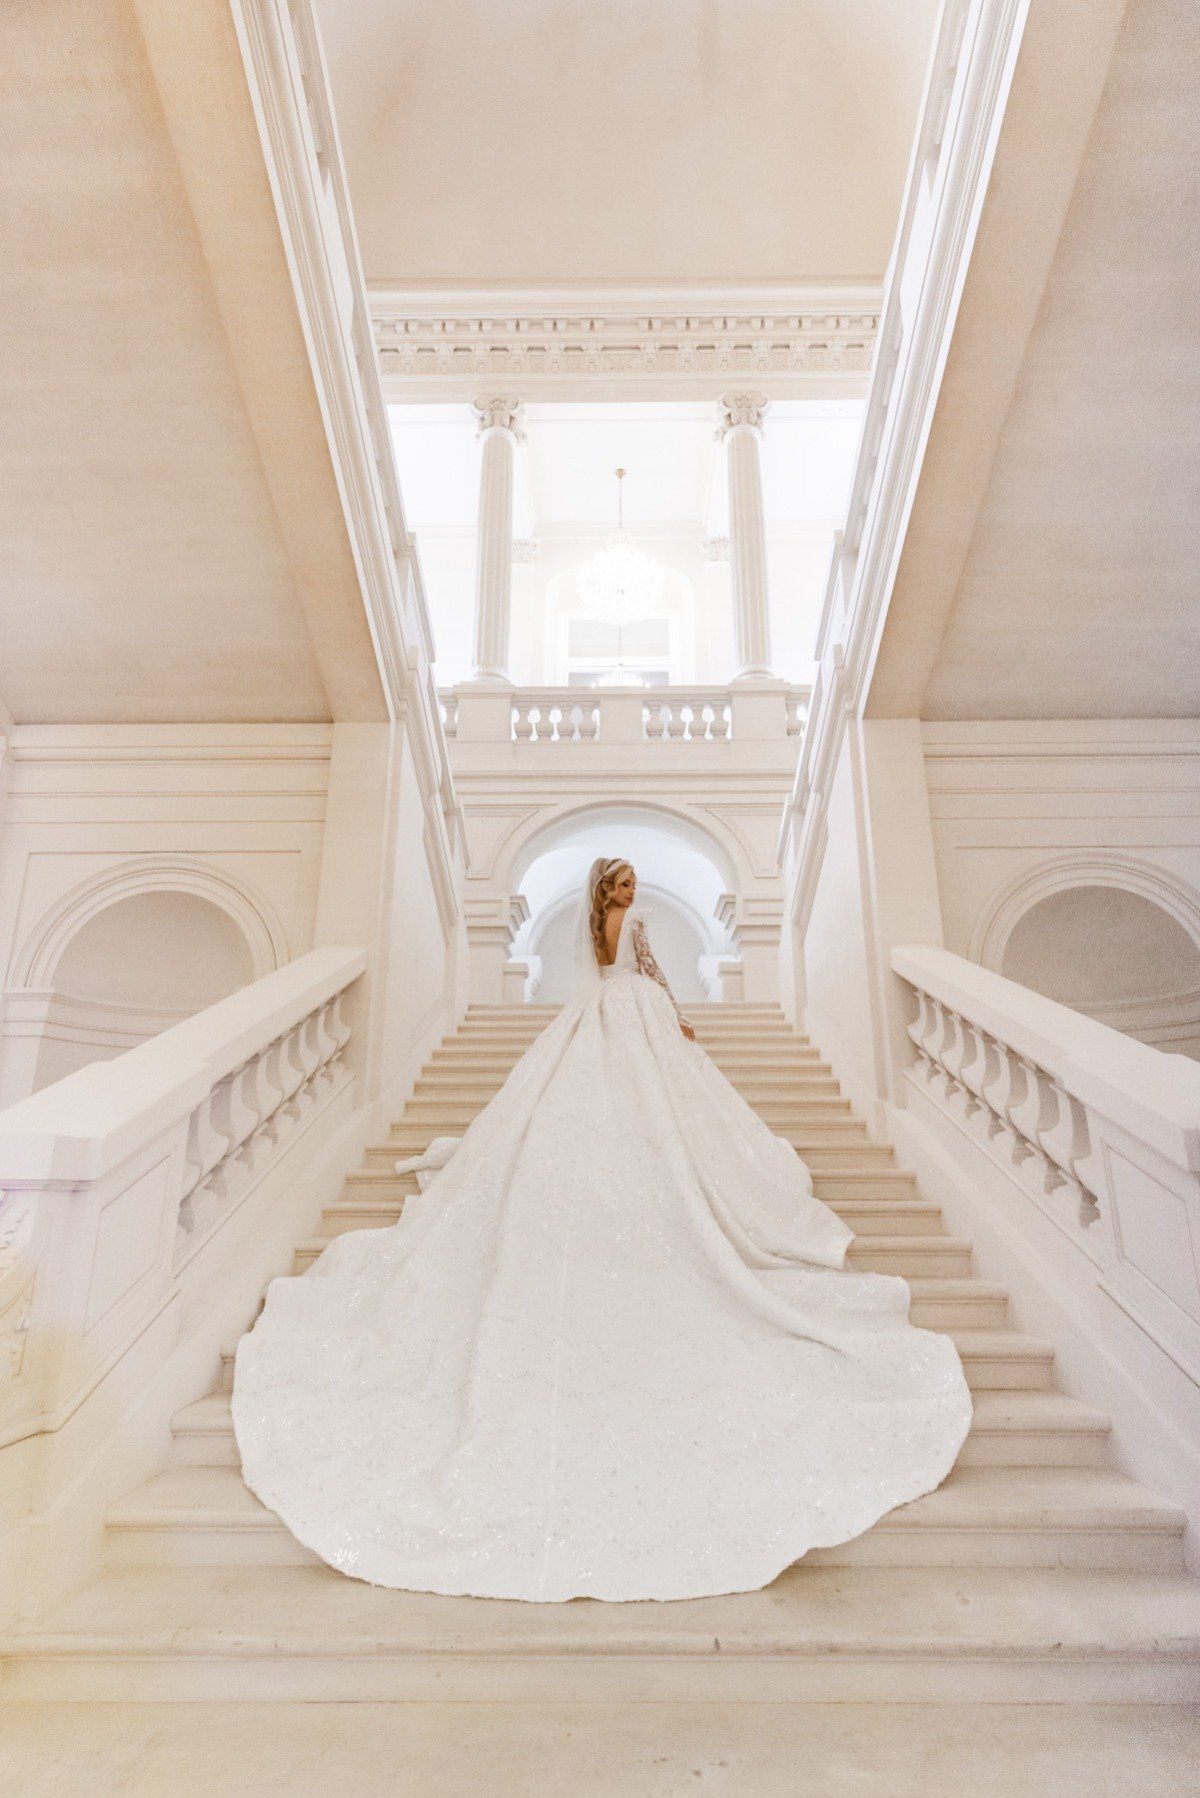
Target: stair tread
x=309, y=1610
x=972, y=1497
x=994, y=1410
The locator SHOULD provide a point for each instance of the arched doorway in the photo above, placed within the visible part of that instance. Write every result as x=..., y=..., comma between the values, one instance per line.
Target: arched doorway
x=682, y=878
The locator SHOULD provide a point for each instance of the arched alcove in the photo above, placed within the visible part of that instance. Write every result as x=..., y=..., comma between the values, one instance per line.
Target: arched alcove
x=1115, y=955
x=167, y=951
x=131, y=969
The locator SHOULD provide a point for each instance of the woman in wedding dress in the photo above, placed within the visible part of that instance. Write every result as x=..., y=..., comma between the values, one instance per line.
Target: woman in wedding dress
x=609, y=1350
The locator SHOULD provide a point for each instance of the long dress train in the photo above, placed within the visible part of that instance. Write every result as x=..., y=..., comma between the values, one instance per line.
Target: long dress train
x=608, y=1351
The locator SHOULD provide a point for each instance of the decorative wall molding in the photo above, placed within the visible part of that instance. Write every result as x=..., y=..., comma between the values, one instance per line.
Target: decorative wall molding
x=503, y=412
x=570, y=343
x=1079, y=868
x=741, y=411
x=252, y=912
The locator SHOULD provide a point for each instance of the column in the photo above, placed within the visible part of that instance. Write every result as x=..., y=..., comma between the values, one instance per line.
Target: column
x=741, y=429
x=499, y=434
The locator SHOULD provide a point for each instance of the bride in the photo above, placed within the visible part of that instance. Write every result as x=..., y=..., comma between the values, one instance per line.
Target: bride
x=610, y=1350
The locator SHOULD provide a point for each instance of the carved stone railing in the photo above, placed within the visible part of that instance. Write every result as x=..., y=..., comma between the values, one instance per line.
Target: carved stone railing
x=758, y=711
x=113, y=1179
x=1100, y=1132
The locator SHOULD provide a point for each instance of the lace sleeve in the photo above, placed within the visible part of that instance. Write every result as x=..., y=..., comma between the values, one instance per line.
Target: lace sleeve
x=647, y=965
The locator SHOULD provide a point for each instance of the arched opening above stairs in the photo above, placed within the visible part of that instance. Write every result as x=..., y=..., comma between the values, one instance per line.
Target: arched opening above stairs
x=682, y=879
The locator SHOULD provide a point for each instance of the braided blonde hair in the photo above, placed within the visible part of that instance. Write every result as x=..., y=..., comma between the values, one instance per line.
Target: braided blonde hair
x=606, y=875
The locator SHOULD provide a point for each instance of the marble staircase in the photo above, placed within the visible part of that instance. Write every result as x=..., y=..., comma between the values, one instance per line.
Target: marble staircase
x=1038, y=1572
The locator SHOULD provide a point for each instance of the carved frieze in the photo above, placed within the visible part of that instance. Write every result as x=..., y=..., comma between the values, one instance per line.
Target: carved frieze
x=427, y=350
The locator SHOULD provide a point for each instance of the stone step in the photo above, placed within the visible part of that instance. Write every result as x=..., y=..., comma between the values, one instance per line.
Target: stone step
x=993, y=1361
x=479, y=1085
x=831, y=1152
x=871, y=1634
x=832, y=1184
x=908, y=1256
x=836, y=1131
x=942, y=1303
x=1010, y=1429
x=453, y=1115
x=872, y=1217
x=980, y=1517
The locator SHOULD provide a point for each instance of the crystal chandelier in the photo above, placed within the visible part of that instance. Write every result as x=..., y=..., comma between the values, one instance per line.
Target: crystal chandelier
x=621, y=583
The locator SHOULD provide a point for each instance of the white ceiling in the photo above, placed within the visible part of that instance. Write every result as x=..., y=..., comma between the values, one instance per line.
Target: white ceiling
x=1062, y=582
x=172, y=539
x=685, y=140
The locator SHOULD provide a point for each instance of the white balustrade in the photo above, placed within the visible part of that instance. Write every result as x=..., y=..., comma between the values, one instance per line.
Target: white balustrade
x=625, y=714
x=112, y=1179
x=1099, y=1132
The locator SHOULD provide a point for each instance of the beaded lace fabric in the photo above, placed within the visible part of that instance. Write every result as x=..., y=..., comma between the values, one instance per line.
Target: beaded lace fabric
x=609, y=1350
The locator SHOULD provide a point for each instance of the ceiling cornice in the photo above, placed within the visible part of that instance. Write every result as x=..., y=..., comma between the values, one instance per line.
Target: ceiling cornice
x=816, y=341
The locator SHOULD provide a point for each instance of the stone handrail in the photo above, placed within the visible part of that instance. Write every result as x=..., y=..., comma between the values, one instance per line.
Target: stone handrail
x=1073, y=1111
x=690, y=714
x=113, y=1178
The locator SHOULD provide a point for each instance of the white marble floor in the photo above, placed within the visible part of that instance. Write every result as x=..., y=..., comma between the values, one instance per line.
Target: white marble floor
x=597, y=1751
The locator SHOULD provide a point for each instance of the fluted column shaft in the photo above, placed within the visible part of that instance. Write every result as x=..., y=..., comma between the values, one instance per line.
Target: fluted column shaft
x=741, y=428
x=499, y=432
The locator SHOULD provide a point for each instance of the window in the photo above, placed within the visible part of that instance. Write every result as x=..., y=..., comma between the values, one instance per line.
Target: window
x=596, y=650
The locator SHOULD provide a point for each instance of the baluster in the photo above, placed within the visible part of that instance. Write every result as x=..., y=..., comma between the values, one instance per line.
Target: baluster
x=934, y=1029
x=291, y=1073
x=258, y=1102
x=206, y=1147
x=329, y=1042
x=954, y=1050
x=523, y=721
x=719, y=729
x=939, y=1047
x=273, y=1080
x=677, y=721
x=309, y=1048
x=1067, y=1141
x=449, y=711
x=972, y=1054
x=589, y=720
x=338, y=1024
x=1034, y=1113
x=234, y=1119
x=920, y=1030
x=1004, y=1091
x=655, y=719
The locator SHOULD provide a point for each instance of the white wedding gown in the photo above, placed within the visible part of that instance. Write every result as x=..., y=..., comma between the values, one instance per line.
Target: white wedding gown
x=607, y=1352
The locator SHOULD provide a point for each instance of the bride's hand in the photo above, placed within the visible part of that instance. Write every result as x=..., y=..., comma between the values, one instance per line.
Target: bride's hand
x=687, y=1030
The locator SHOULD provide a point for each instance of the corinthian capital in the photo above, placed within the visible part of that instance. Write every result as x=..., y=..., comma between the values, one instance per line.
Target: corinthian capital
x=504, y=412
x=741, y=409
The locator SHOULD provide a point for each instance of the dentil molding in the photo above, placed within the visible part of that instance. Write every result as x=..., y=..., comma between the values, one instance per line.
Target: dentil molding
x=639, y=343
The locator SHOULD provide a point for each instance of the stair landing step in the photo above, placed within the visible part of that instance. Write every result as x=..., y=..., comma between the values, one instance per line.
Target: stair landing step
x=873, y=1634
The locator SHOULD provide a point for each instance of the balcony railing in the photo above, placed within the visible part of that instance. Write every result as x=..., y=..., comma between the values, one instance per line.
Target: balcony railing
x=624, y=714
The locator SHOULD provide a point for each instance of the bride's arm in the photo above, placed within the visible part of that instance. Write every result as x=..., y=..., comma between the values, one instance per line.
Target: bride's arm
x=646, y=964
